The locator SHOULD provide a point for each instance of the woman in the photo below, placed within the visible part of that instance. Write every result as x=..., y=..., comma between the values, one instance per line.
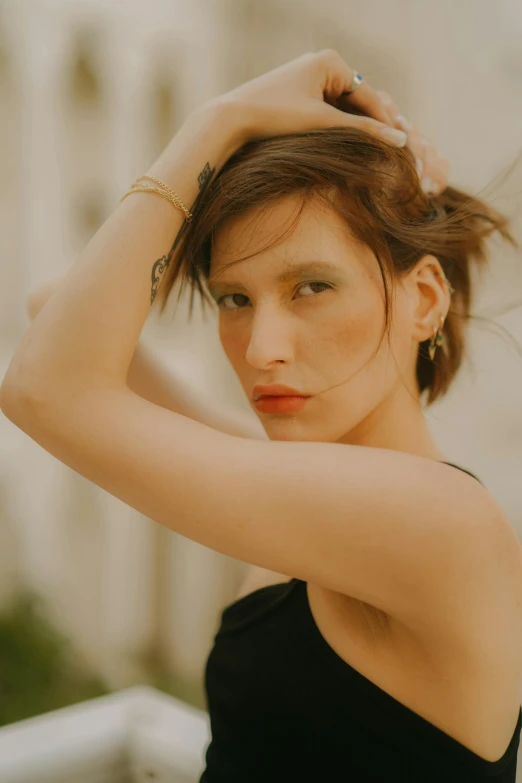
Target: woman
x=393, y=651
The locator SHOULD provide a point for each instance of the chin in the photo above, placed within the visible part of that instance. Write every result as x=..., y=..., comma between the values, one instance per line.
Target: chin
x=291, y=428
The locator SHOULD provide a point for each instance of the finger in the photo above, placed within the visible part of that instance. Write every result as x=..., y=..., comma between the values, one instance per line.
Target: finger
x=399, y=121
x=337, y=84
x=419, y=146
x=327, y=117
x=367, y=104
x=434, y=177
x=365, y=99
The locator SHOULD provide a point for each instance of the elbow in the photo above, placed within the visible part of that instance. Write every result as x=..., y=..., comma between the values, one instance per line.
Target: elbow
x=22, y=386
x=16, y=396
x=13, y=400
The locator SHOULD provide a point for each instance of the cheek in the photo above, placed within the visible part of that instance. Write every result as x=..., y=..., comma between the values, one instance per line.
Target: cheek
x=233, y=342
x=358, y=330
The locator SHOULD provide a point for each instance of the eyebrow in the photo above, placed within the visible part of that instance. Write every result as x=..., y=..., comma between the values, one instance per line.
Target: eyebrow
x=295, y=272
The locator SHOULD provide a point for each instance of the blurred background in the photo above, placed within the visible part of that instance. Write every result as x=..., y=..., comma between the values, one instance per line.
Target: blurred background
x=94, y=597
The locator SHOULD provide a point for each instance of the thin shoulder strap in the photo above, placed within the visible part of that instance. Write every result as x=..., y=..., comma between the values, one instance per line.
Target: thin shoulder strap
x=464, y=469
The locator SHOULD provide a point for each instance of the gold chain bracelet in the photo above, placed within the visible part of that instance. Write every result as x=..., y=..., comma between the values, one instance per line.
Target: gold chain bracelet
x=162, y=190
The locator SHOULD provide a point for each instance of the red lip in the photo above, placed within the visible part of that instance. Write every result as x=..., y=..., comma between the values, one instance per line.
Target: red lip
x=276, y=390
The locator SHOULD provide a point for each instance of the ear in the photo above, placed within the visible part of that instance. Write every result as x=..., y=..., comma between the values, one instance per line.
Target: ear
x=431, y=297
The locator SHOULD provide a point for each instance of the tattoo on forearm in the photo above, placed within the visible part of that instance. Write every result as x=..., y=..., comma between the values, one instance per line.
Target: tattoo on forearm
x=205, y=177
x=157, y=270
x=162, y=264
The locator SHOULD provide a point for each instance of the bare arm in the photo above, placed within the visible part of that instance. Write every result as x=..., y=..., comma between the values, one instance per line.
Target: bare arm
x=156, y=383
x=149, y=378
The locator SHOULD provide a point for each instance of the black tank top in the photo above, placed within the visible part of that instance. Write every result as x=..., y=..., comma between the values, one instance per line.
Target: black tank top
x=283, y=706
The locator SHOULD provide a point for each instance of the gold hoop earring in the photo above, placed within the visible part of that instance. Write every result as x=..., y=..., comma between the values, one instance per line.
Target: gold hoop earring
x=436, y=339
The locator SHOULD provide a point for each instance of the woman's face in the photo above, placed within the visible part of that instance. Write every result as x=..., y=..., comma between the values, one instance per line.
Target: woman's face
x=315, y=330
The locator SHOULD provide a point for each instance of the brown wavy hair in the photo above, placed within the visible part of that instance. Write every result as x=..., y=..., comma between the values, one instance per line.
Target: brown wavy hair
x=374, y=187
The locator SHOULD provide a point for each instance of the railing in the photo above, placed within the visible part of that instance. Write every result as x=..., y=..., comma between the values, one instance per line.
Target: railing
x=138, y=735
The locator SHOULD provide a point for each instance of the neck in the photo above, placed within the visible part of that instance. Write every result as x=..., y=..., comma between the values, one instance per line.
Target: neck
x=398, y=424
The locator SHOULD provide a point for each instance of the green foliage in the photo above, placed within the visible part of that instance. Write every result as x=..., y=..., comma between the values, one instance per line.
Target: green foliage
x=191, y=691
x=160, y=676
x=39, y=670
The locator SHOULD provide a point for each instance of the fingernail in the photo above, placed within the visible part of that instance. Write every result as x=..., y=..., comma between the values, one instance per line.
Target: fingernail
x=395, y=136
x=419, y=165
x=428, y=185
x=403, y=122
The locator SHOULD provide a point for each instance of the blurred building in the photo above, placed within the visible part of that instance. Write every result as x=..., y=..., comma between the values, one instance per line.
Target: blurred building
x=90, y=94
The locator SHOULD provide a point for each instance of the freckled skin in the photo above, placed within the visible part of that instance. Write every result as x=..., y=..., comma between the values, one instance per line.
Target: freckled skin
x=321, y=341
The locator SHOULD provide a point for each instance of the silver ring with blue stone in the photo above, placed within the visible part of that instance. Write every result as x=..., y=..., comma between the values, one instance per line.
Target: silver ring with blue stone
x=356, y=82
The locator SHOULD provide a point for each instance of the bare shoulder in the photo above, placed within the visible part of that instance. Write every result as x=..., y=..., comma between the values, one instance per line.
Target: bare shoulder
x=483, y=609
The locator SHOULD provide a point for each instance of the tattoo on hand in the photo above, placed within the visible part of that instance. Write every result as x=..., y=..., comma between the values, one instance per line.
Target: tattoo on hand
x=162, y=264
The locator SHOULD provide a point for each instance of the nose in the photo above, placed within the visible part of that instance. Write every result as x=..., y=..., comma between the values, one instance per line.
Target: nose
x=271, y=340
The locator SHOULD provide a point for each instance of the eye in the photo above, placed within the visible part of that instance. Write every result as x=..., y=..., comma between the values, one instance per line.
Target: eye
x=241, y=307
x=327, y=286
